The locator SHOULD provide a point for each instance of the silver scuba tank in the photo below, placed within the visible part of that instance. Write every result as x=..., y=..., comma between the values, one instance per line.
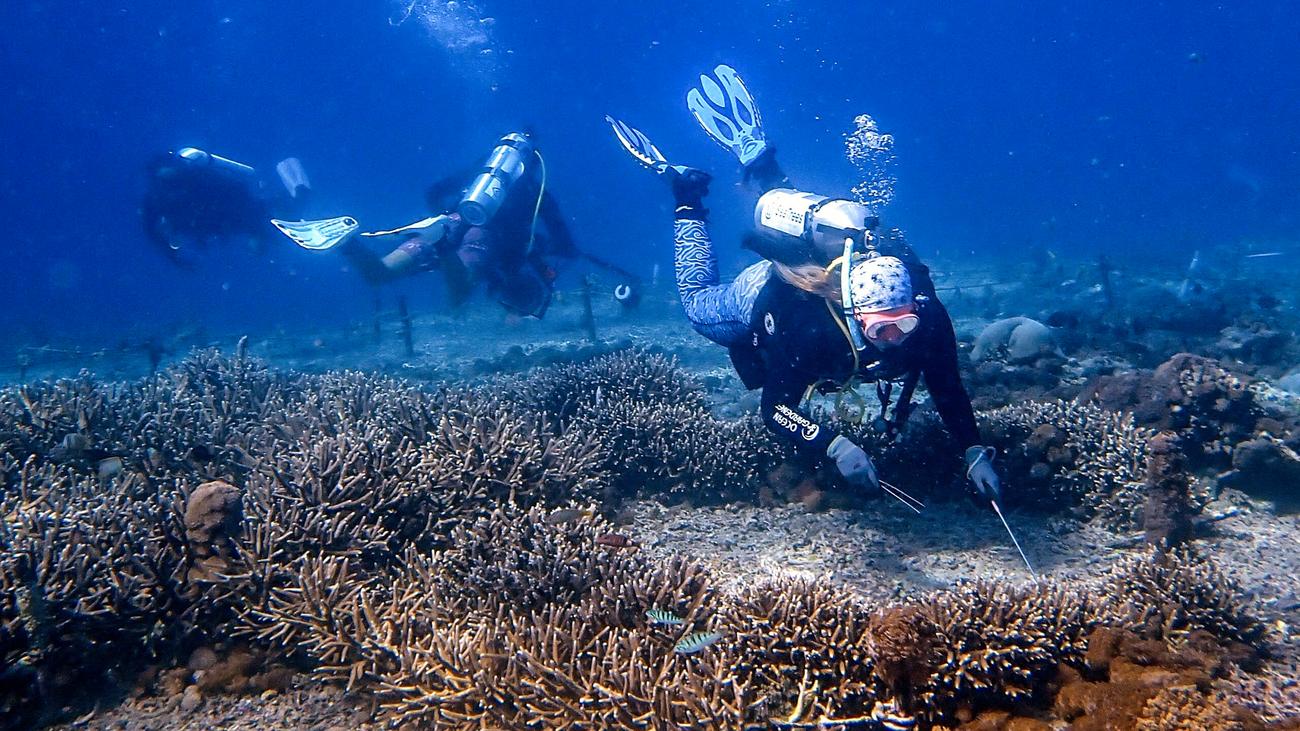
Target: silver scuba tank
x=200, y=158
x=488, y=191
x=818, y=220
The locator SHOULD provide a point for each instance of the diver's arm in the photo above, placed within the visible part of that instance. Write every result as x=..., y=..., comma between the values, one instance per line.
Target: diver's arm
x=943, y=379
x=782, y=393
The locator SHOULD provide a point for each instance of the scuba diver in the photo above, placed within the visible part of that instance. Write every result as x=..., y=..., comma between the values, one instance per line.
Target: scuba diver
x=501, y=229
x=196, y=198
x=836, y=301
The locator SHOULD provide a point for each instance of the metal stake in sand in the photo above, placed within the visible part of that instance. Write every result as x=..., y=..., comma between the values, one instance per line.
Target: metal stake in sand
x=407, y=337
x=588, y=315
x=1028, y=565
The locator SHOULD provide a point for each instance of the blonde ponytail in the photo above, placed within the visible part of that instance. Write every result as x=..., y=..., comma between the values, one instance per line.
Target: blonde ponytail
x=811, y=278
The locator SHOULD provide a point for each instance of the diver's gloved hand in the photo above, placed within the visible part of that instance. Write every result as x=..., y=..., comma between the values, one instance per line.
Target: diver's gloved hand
x=853, y=463
x=689, y=188
x=979, y=470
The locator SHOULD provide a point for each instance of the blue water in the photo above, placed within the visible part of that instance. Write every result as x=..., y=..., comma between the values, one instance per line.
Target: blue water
x=1099, y=126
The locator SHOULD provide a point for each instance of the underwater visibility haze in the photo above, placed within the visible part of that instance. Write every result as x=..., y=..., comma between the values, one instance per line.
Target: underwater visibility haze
x=736, y=365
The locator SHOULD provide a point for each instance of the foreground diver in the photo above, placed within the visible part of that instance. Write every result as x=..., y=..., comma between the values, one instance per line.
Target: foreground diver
x=835, y=304
x=196, y=198
x=484, y=232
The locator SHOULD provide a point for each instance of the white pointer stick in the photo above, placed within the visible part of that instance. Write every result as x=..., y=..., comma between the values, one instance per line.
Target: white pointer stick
x=998, y=510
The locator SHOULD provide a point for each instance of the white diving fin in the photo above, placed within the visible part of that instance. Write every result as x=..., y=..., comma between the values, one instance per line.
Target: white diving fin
x=444, y=221
x=727, y=112
x=293, y=175
x=318, y=235
x=639, y=146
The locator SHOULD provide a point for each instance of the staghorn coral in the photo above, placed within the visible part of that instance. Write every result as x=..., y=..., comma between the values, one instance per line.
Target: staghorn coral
x=1173, y=594
x=1074, y=456
x=554, y=636
x=1000, y=646
x=807, y=645
x=654, y=421
x=397, y=540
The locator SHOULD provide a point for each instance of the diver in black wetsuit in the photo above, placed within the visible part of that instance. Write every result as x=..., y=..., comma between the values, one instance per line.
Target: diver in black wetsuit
x=785, y=332
x=499, y=226
x=195, y=198
x=800, y=321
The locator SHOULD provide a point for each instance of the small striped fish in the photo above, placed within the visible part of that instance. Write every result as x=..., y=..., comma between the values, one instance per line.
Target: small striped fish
x=696, y=642
x=659, y=616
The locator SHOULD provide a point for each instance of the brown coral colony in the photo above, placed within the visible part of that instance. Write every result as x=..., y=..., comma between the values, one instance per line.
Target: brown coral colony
x=405, y=543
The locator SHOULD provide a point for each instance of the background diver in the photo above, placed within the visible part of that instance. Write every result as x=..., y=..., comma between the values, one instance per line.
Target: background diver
x=835, y=302
x=501, y=229
x=195, y=198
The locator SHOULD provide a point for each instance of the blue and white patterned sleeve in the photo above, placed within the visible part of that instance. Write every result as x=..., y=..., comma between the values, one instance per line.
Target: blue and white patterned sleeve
x=719, y=312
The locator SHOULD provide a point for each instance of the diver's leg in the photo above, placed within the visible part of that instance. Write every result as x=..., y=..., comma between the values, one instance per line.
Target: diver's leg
x=372, y=268
x=719, y=312
x=766, y=172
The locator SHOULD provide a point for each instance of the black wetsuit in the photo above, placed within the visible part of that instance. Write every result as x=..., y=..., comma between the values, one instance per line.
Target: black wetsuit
x=793, y=340
x=797, y=343
x=517, y=275
x=190, y=204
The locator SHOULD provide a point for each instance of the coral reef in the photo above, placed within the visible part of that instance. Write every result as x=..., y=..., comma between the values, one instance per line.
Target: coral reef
x=1175, y=594
x=653, y=420
x=1211, y=408
x=433, y=549
x=1061, y=454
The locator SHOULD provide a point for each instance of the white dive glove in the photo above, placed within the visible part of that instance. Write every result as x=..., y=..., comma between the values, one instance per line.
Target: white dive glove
x=853, y=463
x=979, y=470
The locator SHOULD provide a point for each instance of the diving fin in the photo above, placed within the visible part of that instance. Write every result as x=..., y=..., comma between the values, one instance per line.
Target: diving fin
x=293, y=175
x=640, y=147
x=443, y=220
x=318, y=235
x=727, y=112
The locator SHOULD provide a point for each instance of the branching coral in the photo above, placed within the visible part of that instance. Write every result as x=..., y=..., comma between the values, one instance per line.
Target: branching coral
x=1173, y=594
x=1074, y=455
x=653, y=420
x=808, y=645
x=522, y=623
x=410, y=543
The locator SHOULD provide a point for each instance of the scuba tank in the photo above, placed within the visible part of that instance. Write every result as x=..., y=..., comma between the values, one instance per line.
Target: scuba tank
x=503, y=167
x=796, y=227
x=200, y=158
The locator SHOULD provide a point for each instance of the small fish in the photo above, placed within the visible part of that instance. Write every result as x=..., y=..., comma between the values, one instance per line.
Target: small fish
x=567, y=515
x=659, y=616
x=696, y=642
x=156, y=458
x=615, y=540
